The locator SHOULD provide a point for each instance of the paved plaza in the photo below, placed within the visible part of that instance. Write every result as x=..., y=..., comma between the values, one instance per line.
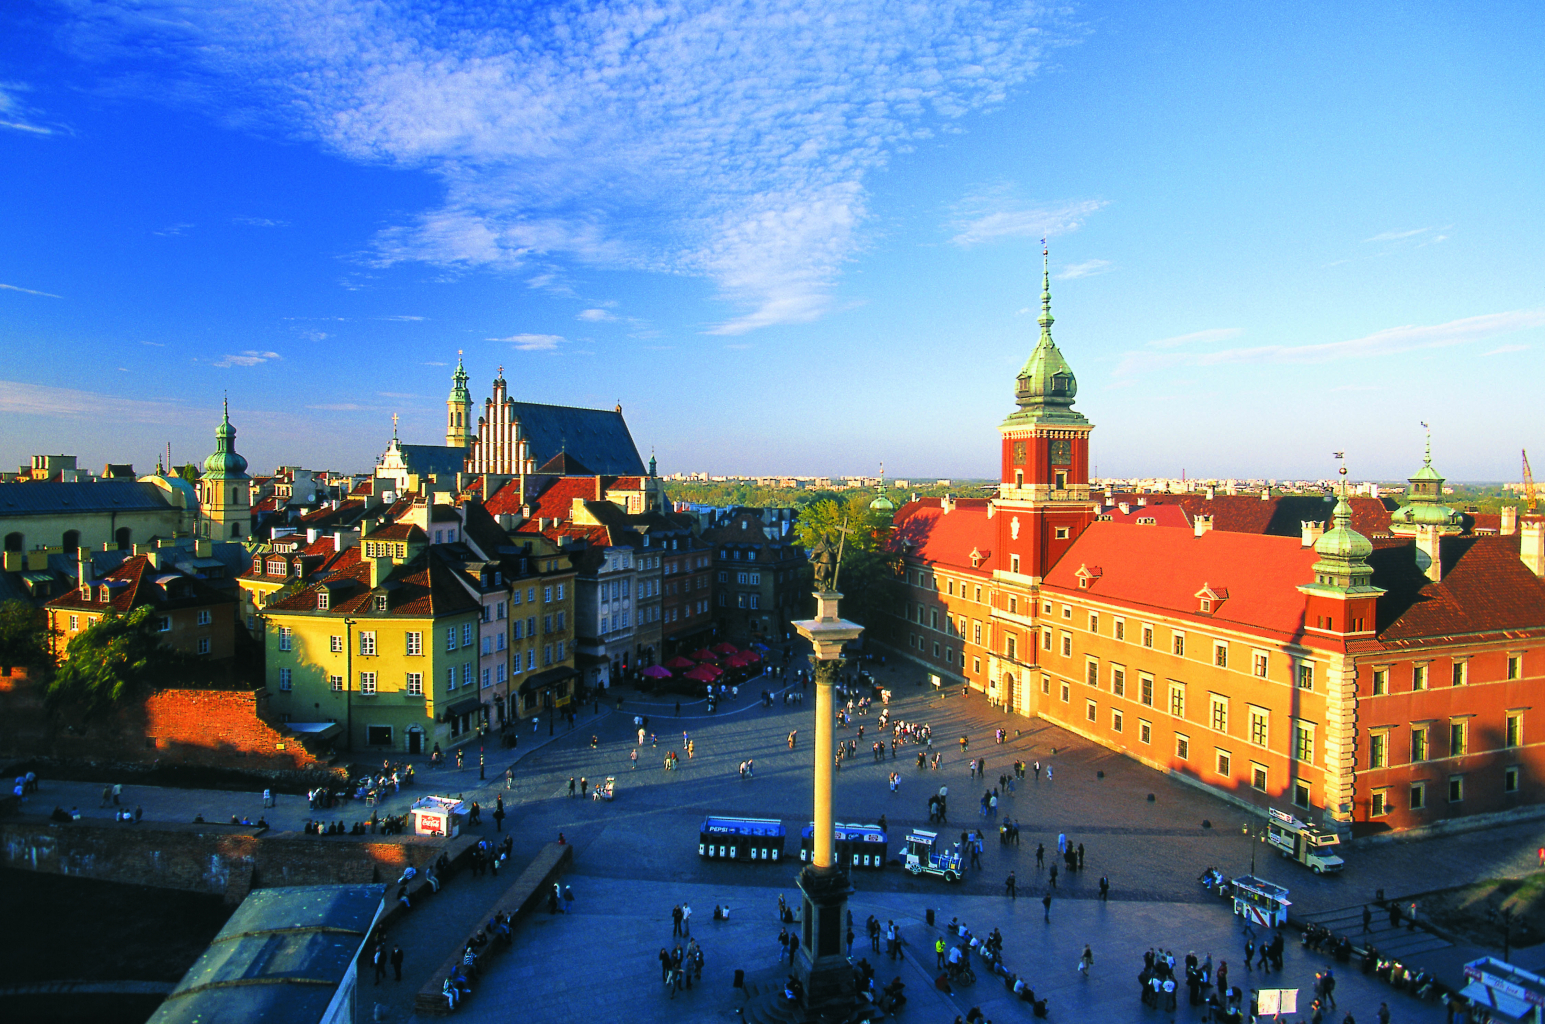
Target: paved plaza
x=637, y=856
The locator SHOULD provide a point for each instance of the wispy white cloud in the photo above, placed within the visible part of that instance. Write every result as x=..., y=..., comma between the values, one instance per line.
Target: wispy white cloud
x=1088, y=268
x=1395, y=236
x=344, y=407
x=260, y=222
x=532, y=342
x=154, y=344
x=995, y=212
x=251, y=357
x=29, y=291
x=404, y=319
x=18, y=116
x=730, y=141
x=1197, y=337
x=1388, y=342
x=1504, y=349
x=69, y=403
x=595, y=315
x=395, y=394
x=173, y=230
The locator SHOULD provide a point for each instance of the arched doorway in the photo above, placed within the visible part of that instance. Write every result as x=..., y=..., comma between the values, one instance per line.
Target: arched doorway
x=15, y=542
x=415, y=740
x=71, y=541
x=1007, y=695
x=123, y=538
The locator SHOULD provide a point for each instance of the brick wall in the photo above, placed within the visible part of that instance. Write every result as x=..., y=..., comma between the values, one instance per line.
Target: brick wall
x=220, y=727
x=216, y=726
x=204, y=858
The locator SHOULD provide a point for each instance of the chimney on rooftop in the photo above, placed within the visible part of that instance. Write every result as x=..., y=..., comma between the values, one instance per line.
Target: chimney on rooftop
x=1142, y=501
x=1126, y=508
x=1202, y=524
x=1209, y=492
x=1266, y=493
x=83, y=571
x=311, y=534
x=1312, y=531
x=1509, y=521
x=1428, y=552
x=1531, y=545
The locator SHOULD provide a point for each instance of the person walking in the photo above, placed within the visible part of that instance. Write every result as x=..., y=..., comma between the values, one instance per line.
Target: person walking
x=1040, y=856
x=1054, y=876
x=117, y=793
x=1086, y=961
x=378, y=960
x=676, y=921
x=1080, y=856
x=1010, y=888
x=499, y=814
x=397, y=962
x=1367, y=919
x=1104, y=888
x=1046, y=904
x=938, y=951
x=571, y=785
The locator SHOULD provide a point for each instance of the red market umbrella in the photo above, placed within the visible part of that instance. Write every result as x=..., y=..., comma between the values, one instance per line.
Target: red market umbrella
x=657, y=672
x=750, y=656
x=737, y=661
x=700, y=674
x=725, y=648
x=711, y=671
x=678, y=663
x=704, y=655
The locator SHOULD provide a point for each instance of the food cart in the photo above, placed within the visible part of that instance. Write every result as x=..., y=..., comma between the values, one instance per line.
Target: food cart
x=1260, y=902
x=1505, y=992
x=438, y=816
x=740, y=839
x=1307, y=844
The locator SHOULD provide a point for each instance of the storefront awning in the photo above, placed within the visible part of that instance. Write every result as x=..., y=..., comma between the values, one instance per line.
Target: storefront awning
x=543, y=680
x=321, y=730
x=1495, y=1001
x=463, y=707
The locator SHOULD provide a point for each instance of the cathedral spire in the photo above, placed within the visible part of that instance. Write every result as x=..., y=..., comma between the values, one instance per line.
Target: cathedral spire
x=1046, y=387
x=1046, y=318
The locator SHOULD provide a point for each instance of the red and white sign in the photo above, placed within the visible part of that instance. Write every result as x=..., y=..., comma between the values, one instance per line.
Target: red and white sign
x=430, y=824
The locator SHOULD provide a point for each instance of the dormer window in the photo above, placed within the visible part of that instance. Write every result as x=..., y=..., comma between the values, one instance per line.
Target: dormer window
x=257, y=564
x=322, y=600
x=380, y=602
x=104, y=594
x=1209, y=598
x=1059, y=383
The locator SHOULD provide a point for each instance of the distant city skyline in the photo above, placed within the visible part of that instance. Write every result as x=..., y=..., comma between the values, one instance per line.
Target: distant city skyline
x=1274, y=234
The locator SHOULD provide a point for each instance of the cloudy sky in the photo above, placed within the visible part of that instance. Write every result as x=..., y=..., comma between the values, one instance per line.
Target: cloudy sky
x=786, y=237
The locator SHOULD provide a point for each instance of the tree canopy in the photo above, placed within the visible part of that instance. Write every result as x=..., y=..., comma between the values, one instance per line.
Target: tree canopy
x=865, y=565
x=113, y=661
x=23, y=636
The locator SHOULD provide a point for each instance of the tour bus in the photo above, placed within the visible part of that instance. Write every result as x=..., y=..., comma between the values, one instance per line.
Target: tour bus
x=758, y=839
x=1304, y=843
x=858, y=846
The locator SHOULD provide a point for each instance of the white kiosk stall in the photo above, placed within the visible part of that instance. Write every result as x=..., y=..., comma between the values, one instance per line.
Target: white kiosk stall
x=438, y=816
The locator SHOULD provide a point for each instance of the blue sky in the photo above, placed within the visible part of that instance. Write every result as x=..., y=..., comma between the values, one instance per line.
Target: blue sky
x=787, y=237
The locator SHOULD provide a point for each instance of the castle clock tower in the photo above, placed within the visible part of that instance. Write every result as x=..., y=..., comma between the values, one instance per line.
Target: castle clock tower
x=1043, y=499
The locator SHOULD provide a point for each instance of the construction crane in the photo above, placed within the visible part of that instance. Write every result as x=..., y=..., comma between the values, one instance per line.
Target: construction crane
x=1529, y=496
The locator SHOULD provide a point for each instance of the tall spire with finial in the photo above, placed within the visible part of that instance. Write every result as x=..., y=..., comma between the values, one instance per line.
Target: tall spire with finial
x=1046, y=318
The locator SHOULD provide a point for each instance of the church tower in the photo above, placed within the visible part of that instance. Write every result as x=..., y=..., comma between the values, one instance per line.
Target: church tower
x=1342, y=600
x=458, y=410
x=1043, y=498
x=225, y=494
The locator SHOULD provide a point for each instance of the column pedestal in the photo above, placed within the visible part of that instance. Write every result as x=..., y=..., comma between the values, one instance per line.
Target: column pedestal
x=822, y=964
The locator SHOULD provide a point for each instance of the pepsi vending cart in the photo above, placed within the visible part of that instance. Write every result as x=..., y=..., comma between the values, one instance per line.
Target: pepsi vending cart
x=740, y=839
x=858, y=846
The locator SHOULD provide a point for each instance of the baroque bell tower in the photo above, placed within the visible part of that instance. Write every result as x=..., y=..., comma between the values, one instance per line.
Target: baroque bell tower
x=458, y=410
x=1043, y=498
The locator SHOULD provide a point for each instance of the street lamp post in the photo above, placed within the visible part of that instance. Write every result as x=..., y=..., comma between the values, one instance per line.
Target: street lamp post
x=1255, y=836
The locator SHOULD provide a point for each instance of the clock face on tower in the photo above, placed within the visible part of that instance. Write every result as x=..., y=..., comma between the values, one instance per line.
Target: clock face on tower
x=1019, y=453
x=1061, y=451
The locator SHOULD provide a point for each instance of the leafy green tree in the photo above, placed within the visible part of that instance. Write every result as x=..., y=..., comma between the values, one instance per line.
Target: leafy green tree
x=190, y=472
x=113, y=661
x=23, y=636
x=866, y=566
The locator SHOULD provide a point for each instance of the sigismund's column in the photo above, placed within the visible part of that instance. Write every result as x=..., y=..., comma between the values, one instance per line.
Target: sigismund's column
x=823, y=964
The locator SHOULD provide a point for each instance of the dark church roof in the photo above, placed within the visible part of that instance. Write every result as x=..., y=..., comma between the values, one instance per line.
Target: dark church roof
x=46, y=499
x=597, y=438
x=564, y=464
x=434, y=460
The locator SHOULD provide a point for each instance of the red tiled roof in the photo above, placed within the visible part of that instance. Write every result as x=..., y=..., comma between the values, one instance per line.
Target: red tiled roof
x=506, y=500
x=1162, y=515
x=1163, y=568
x=1484, y=588
x=1281, y=515
x=923, y=531
x=399, y=531
x=364, y=487
x=325, y=513
x=269, y=504
x=141, y=589
x=424, y=587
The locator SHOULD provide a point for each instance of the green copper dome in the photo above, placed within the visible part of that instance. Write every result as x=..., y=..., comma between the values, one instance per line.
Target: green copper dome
x=225, y=462
x=1341, y=544
x=881, y=503
x=459, y=392
x=1426, y=507
x=1046, y=386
